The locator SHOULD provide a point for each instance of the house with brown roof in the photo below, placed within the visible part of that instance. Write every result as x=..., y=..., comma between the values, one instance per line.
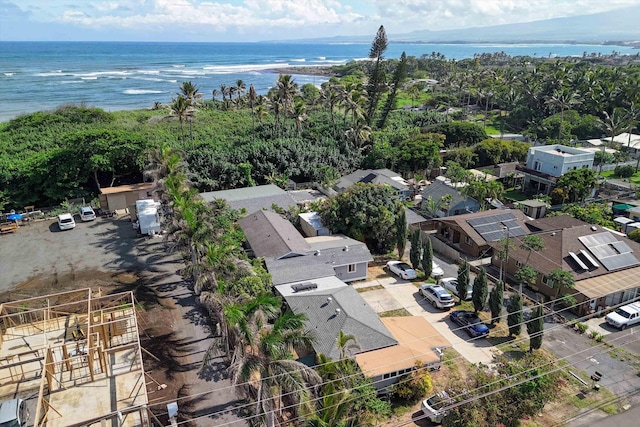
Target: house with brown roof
x=418, y=342
x=123, y=196
x=472, y=233
x=604, y=264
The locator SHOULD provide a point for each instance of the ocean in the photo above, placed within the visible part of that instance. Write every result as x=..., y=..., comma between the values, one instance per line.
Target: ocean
x=36, y=76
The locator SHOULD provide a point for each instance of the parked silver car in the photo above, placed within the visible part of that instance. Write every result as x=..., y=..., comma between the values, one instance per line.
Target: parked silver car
x=451, y=284
x=437, y=295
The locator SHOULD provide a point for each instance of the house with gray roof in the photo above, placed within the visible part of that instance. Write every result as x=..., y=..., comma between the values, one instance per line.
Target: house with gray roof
x=253, y=199
x=375, y=176
x=270, y=235
x=459, y=204
x=290, y=257
x=338, y=255
x=332, y=306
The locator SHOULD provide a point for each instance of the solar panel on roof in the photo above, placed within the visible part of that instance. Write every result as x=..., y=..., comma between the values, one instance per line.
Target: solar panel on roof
x=621, y=247
x=589, y=259
x=578, y=261
x=494, y=236
x=517, y=231
x=619, y=261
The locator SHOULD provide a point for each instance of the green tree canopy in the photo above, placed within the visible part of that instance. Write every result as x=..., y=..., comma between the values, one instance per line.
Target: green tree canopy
x=576, y=185
x=366, y=212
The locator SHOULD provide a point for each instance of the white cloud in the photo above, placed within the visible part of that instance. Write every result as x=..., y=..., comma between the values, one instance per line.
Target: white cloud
x=271, y=19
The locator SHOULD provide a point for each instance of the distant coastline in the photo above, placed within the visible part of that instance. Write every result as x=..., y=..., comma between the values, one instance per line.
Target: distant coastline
x=632, y=44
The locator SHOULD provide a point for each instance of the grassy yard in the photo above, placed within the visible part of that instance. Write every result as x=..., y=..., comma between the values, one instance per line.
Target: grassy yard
x=514, y=195
x=635, y=178
x=400, y=312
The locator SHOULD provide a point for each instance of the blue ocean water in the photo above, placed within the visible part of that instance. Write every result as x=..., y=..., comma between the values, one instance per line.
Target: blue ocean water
x=37, y=76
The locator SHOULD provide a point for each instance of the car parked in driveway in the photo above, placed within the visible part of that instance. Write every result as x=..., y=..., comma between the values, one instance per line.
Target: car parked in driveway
x=436, y=270
x=470, y=322
x=432, y=407
x=451, y=284
x=402, y=270
x=437, y=295
x=66, y=221
x=87, y=213
x=13, y=413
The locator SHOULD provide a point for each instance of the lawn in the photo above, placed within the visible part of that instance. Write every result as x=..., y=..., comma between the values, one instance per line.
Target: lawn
x=514, y=195
x=635, y=178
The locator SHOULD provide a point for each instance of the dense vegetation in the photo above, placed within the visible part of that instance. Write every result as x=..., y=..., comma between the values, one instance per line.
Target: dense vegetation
x=311, y=134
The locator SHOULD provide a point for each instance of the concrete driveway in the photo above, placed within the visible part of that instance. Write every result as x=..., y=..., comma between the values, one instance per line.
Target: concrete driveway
x=398, y=293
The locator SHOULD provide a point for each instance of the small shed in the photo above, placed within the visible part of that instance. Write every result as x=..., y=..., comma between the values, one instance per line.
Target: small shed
x=622, y=222
x=122, y=196
x=312, y=225
x=532, y=208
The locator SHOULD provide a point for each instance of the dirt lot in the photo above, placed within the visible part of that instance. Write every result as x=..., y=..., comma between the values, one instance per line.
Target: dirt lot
x=107, y=255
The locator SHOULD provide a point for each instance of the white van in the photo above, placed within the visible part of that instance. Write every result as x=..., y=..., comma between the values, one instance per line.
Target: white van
x=13, y=413
x=66, y=221
x=624, y=316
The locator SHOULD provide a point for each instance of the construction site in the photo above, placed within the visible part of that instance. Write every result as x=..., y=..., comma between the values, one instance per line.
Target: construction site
x=79, y=352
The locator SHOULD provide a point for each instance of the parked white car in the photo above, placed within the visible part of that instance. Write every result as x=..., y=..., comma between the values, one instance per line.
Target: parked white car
x=436, y=270
x=437, y=295
x=13, y=413
x=87, y=213
x=624, y=316
x=402, y=270
x=66, y=221
x=451, y=284
x=432, y=407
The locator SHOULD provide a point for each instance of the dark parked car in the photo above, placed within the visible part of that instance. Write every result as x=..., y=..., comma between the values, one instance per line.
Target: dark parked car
x=470, y=322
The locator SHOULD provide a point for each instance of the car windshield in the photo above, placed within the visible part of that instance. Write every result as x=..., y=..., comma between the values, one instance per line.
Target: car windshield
x=444, y=296
x=623, y=313
x=404, y=267
x=66, y=220
x=436, y=402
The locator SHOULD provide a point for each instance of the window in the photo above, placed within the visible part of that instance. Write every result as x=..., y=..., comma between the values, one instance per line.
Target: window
x=387, y=376
x=468, y=241
x=545, y=280
x=585, y=166
x=148, y=193
x=525, y=209
x=351, y=268
x=518, y=264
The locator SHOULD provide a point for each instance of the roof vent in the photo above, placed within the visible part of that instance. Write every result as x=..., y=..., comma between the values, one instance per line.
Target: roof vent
x=329, y=300
x=317, y=252
x=553, y=234
x=307, y=286
x=338, y=311
x=346, y=249
x=594, y=228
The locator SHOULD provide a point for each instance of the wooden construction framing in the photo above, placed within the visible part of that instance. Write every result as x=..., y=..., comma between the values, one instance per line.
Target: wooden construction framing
x=74, y=338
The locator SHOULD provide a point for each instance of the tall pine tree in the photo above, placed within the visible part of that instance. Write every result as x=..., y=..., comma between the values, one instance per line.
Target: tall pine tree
x=495, y=302
x=375, y=83
x=463, y=280
x=415, y=250
x=480, y=290
x=535, y=328
x=401, y=232
x=427, y=257
x=399, y=74
x=515, y=317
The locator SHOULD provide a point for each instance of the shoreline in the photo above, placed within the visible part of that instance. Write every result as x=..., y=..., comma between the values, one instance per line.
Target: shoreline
x=322, y=71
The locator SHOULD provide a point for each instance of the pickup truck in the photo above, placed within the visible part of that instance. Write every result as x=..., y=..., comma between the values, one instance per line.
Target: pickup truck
x=624, y=316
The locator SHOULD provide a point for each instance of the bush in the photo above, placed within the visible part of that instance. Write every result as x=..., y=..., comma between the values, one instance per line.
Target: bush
x=415, y=385
x=582, y=327
x=625, y=171
x=635, y=235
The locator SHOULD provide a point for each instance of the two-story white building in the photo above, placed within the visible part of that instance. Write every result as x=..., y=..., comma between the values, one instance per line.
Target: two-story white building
x=548, y=162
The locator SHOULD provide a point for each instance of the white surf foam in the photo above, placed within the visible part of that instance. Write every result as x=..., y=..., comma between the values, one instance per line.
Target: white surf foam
x=299, y=60
x=140, y=91
x=8, y=74
x=246, y=68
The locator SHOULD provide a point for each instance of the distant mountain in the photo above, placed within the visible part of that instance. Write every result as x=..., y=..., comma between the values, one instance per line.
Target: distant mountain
x=619, y=25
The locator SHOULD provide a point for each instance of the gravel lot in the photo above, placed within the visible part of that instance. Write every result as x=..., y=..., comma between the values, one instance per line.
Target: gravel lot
x=41, y=251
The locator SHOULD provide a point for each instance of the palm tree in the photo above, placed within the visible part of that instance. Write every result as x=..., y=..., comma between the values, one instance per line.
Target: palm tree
x=430, y=207
x=190, y=91
x=267, y=374
x=414, y=93
x=224, y=90
x=214, y=93
x=346, y=343
x=559, y=280
x=359, y=135
x=330, y=98
x=614, y=123
x=299, y=114
x=181, y=107
x=531, y=243
x=331, y=409
x=562, y=99
x=253, y=98
x=241, y=87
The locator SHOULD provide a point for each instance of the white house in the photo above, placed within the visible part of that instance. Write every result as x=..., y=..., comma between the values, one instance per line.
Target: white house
x=548, y=162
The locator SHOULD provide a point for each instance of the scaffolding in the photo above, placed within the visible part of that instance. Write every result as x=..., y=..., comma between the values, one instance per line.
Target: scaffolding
x=81, y=352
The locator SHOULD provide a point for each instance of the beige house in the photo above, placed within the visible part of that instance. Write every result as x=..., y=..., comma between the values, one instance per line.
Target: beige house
x=123, y=196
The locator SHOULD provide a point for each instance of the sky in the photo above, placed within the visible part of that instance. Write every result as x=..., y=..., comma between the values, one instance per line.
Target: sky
x=256, y=20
